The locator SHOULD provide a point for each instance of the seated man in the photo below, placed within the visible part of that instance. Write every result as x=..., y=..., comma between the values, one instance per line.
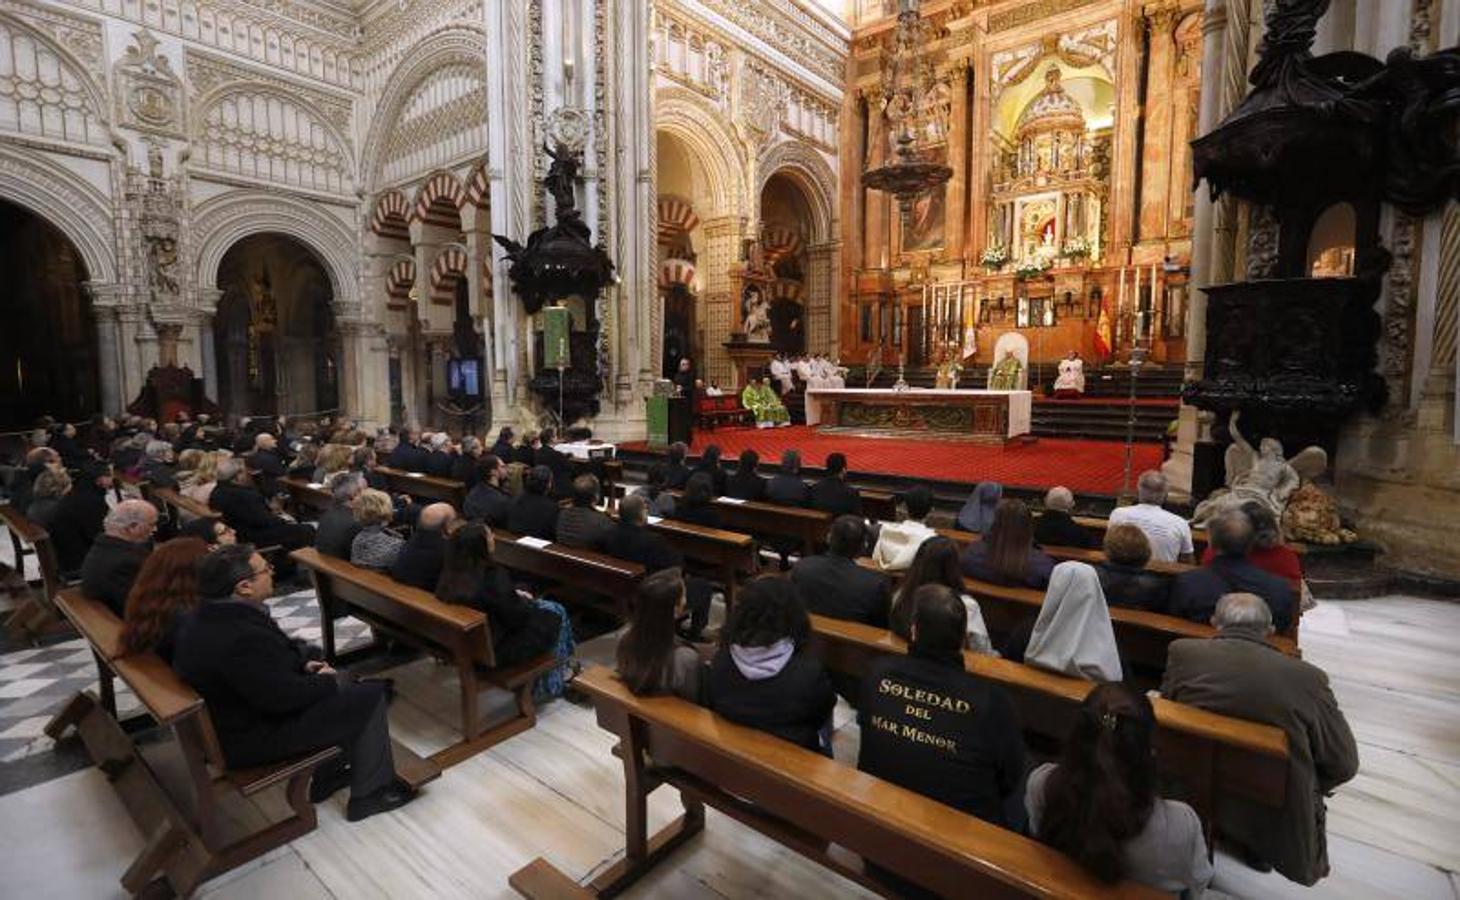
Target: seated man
x=786, y=486
x=1005, y=375
x=441, y=456
x=832, y=493
x=710, y=465
x=676, y=474
x=534, y=512
x=931, y=727
x=761, y=400
x=1194, y=594
x=409, y=455
x=266, y=460
x=337, y=525
x=79, y=516
x=1071, y=380
x=780, y=372
x=898, y=542
x=160, y=466
x=832, y=584
x=1169, y=534
x=1237, y=673
x=243, y=508
x=1056, y=527
x=419, y=561
x=115, y=558
x=582, y=525
x=271, y=699
x=633, y=540
x=489, y=502
x=556, y=460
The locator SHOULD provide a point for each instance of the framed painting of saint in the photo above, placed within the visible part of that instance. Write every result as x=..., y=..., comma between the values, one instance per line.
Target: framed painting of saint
x=925, y=229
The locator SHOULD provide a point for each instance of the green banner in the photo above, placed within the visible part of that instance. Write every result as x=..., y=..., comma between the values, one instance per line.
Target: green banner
x=556, y=323
x=657, y=410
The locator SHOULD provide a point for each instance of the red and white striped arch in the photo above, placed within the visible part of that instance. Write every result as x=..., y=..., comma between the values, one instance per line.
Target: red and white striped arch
x=786, y=289
x=392, y=216
x=448, y=269
x=398, y=283
x=439, y=201
x=676, y=271
x=780, y=242
x=676, y=217
x=478, y=190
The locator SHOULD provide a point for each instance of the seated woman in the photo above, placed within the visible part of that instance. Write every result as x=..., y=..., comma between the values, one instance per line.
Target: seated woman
x=45, y=495
x=1123, y=575
x=656, y=491
x=936, y=562
x=1099, y=806
x=698, y=503
x=212, y=530
x=762, y=677
x=1073, y=635
x=376, y=546
x=1268, y=552
x=760, y=398
x=522, y=627
x=977, y=514
x=166, y=587
x=1007, y=554
x=198, y=485
x=651, y=657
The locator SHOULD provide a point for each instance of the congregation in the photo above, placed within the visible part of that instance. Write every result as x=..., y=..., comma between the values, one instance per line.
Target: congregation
x=926, y=723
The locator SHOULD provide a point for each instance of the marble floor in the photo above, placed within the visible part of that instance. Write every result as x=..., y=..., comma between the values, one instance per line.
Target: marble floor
x=556, y=791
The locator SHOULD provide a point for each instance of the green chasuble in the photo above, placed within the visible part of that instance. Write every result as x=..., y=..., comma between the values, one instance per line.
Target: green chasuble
x=763, y=402
x=1005, y=376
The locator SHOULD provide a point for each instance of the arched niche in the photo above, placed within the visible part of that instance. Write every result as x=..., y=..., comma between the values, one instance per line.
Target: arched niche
x=1331, y=242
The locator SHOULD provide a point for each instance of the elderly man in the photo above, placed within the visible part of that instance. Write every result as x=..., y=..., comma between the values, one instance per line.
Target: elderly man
x=265, y=457
x=409, y=455
x=337, y=526
x=115, y=558
x=272, y=698
x=583, y=525
x=489, y=501
x=441, y=456
x=80, y=514
x=1056, y=526
x=160, y=469
x=1168, y=533
x=419, y=561
x=1237, y=673
x=1194, y=594
x=244, y=508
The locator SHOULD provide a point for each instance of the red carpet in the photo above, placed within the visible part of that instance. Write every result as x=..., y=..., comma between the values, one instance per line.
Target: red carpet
x=1172, y=402
x=1094, y=467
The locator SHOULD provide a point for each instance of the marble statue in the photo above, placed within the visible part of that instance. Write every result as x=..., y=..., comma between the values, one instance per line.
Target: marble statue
x=1312, y=516
x=1264, y=475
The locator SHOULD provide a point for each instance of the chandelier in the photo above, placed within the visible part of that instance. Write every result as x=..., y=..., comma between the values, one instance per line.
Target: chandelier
x=904, y=84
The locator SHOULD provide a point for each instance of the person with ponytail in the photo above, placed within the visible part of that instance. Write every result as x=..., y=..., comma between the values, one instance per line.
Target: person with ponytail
x=651, y=658
x=1099, y=804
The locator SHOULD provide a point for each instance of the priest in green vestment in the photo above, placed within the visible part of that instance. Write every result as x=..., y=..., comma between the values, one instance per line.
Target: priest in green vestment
x=1005, y=375
x=761, y=400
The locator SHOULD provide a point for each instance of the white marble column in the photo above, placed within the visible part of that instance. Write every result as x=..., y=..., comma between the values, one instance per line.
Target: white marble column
x=108, y=353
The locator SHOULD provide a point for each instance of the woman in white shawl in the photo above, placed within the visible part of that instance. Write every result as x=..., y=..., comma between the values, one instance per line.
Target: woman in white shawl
x=1073, y=635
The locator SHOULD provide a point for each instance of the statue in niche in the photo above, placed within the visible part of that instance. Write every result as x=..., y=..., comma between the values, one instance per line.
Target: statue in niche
x=161, y=265
x=757, y=314
x=1263, y=475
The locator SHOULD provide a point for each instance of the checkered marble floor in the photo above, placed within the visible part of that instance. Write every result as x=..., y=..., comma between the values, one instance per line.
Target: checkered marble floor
x=36, y=682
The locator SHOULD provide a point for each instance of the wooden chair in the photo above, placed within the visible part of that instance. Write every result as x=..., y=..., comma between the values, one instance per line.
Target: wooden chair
x=825, y=810
x=36, y=616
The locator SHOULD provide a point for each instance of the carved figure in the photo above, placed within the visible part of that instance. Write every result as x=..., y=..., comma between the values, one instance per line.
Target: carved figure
x=757, y=317
x=1312, y=516
x=561, y=177
x=1263, y=475
x=161, y=261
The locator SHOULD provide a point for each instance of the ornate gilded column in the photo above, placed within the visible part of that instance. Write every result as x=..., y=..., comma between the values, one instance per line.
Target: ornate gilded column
x=717, y=306
x=1156, y=163
x=958, y=160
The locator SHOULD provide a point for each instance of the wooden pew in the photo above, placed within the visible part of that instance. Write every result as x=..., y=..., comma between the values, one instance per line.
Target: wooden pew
x=36, y=616
x=730, y=554
x=306, y=500
x=880, y=506
x=806, y=802
x=179, y=506
x=808, y=526
x=458, y=634
x=1212, y=756
x=594, y=573
x=425, y=487
x=181, y=794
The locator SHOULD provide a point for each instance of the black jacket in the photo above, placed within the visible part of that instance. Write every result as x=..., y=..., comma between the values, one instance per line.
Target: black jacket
x=419, y=561
x=520, y=628
x=1056, y=528
x=488, y=503
x=408, y=457
x=464, y=469
x=249, y=672
x=788, y=490
x=336, y=530
x=703, y=514
x=677, y=476
x=835, y=586
x=1134, y=586
x=439, y=463
x=793, y=705
x=642, y=545
x=159, y=474
x=929, y=726
x=974, y=561
x=535, y=515
x=583, y=527
x=835, y=496
x=505, y=452
x=716, y=473
x=110, y=567
x=267, y=461
x=561, y=466
x=522, y=454
x=244, y=508
x=746, y=486
x=76, y=524
x=1194, y=594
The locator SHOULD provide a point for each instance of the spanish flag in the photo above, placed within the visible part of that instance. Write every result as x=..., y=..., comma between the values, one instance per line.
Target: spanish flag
x=1104, y=340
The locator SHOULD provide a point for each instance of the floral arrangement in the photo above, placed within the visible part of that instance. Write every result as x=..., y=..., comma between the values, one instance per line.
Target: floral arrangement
x=994, y=257
x=1076, y=248
x=1032, y=267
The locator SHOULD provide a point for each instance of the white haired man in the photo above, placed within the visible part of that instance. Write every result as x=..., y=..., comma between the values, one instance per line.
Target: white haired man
x=1169, y=534
x=117, y=554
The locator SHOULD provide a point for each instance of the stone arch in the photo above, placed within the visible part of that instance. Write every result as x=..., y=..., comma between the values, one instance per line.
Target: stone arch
x=308, y=165
x=810, y=171
x=704, y=130
x=399, y=282
x=392, y=216
x=449, y=267
x=81, y=212
x=91, y=91
x=478, y=185
x=439, y=201
x=222, y=221
x=455, y=45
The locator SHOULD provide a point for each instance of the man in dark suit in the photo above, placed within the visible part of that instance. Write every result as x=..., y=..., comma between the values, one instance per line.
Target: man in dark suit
x=632, y=539
x=466, y=465
x=535, y=512
x=409, y=455
x=419, y=561
x=243, y=507
x=832, y=584
x=832, y=493
x=787, y=488
x=1057, y=527
x=441, y=456
x=79, y=516
x=115, y=558
x=488, y=502
x=1194, y=594
x=556, y=461
x=709, y=464
x=337, y=526
x=266, y=457
x=271, y=698
x=745, y=483
x=677, y=473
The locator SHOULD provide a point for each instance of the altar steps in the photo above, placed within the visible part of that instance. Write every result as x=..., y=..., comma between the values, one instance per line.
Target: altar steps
x=1102, y=421
x=1110, y=381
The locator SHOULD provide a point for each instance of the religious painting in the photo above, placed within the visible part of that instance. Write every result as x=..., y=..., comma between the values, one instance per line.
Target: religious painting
x=755, y=315
x=925, y=228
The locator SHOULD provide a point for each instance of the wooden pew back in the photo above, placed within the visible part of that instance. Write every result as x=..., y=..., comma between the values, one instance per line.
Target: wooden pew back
x=587, y=570
x=425, y=487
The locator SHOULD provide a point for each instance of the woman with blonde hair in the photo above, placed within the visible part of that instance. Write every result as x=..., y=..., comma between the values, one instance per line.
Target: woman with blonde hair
x=332, y=458
x=376, y=546
x=199, y=483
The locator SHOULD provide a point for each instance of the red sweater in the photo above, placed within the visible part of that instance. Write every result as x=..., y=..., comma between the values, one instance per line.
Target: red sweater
x=1281, y=560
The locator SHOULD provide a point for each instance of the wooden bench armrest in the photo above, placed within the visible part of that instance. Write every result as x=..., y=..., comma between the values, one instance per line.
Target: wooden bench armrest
x=253, y=779
x=510, y=677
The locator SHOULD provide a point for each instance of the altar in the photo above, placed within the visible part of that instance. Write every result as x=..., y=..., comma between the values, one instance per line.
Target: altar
x=919, y=412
